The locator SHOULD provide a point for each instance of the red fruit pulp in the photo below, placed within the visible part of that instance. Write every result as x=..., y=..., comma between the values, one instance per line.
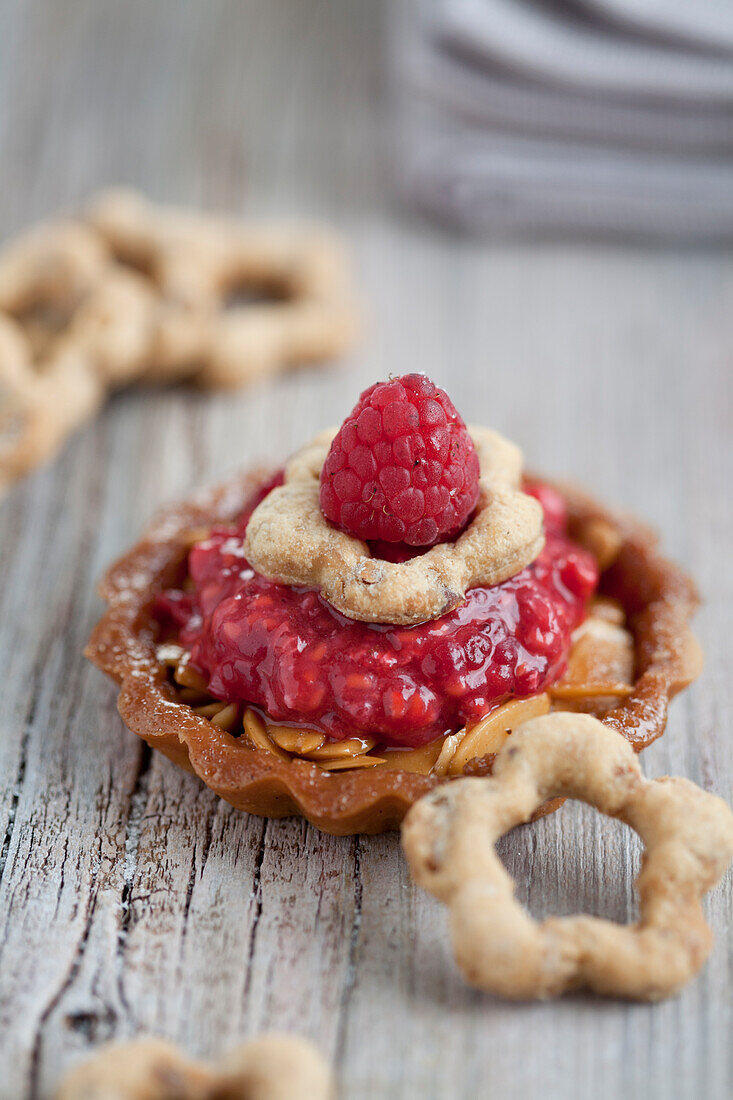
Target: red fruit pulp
x=289, y=652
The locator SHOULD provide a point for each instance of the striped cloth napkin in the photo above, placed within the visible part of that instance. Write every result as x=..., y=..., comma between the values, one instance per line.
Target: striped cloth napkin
x=548, y=117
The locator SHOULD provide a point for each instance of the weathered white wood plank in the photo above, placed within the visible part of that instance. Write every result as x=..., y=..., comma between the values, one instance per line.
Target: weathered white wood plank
x=130, y=898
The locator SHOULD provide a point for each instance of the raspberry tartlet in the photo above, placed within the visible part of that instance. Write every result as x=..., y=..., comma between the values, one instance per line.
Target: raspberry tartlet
x=336, y=638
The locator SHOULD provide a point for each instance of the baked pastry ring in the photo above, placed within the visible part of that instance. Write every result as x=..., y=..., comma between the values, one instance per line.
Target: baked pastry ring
x=38, y=410
x=72, y=325
x=298, y=305
x=270, y=1067
x=132, y=290
x=62, y=289
x=449, y=839
x=657, y=596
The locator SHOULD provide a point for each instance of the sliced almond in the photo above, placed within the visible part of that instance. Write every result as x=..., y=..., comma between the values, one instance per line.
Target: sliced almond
x=491, y=732
x=421, y=761
x=298, y=741
x=209, y=710
x=600, y=665
x=346, y=763
x=334, y=750
x=189, y=677
x=256, y=733
x=591, y=691
x=227, y=718
x=193, y=698
x=448, y=751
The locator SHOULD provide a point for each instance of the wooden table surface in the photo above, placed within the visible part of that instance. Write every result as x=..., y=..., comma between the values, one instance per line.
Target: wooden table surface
x=131, y=899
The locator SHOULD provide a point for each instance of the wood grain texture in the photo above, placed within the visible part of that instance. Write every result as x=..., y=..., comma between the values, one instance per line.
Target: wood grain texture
x=131, y=899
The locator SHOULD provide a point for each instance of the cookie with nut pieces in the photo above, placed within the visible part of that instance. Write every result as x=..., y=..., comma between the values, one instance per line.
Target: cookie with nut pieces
x=449, y=837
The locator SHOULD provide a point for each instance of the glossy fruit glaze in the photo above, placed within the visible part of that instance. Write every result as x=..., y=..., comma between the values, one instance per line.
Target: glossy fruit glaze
x=289, y=652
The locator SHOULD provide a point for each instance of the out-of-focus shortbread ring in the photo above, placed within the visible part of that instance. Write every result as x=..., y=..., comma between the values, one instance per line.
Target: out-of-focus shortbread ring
x=298, y=307
x=270, y=1067
x=131, y=290
x=290, y=540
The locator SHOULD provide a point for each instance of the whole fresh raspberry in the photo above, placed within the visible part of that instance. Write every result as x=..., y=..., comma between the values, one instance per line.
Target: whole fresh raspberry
x=402, y=467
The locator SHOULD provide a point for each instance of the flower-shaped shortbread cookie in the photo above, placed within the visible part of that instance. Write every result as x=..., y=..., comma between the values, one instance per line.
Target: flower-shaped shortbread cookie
x=133, y=290
x=273, y=1067
x=72, y=325
x=449, y=838
x=38, y=411
x=62, y=288
x=238, y=301
x=290, y=540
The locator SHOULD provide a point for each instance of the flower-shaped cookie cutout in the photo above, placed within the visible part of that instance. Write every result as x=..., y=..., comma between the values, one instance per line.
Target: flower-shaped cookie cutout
x=449, y=837
x=290, y=540
x=238, y=301
x=39, y=410
x=72, y=325
x=61, y=287
x=131, y=290
x=273, y=1067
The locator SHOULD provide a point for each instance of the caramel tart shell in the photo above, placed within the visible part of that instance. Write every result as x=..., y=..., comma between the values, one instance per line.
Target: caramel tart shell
x=658, y=598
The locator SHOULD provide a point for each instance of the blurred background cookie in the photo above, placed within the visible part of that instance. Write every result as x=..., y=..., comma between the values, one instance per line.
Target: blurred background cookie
x=137, y=291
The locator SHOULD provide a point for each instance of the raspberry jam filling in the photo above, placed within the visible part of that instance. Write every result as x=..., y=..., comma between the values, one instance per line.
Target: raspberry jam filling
x=289, y=652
